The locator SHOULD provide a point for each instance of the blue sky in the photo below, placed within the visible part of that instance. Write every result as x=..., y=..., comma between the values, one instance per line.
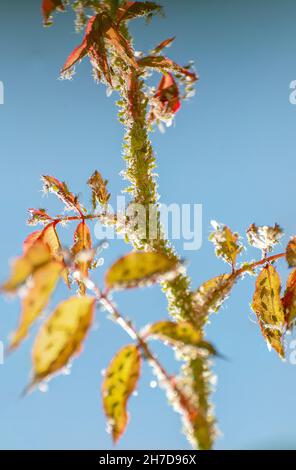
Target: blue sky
x=232, y=150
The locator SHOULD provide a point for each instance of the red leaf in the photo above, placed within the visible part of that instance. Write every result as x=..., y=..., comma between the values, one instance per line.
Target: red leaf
x=289, y=299
x=48, y=7
x=166, y=101
x=53, y=185
x=164, y=64
x=162, y=45
x=131, y=10
x=100, y=31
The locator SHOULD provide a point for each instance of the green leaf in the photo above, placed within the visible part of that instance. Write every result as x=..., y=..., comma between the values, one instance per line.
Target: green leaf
x=119, y=383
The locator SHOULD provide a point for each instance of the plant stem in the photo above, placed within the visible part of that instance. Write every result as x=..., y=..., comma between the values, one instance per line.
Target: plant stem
x=169, y=381
x=253, y=265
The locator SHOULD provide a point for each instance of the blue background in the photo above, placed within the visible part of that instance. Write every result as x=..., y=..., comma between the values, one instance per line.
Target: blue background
x=232, y=150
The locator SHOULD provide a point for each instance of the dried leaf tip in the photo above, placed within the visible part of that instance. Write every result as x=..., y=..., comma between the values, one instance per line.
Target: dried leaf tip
x=264, y=237
x=98, y=186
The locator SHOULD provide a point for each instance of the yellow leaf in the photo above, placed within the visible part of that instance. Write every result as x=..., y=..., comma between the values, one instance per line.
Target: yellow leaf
x=182, y=332
x=179, y=334
x=35, y=257
x=226, y=243
x=119, y=383
x=50, y=238
x=140, y=268
x=268, y=307
x=289, y=299
x=44, y=281
x=211, y=294
x=82, y=245
x=291, y=252
x=32, y=238
x=61, y=336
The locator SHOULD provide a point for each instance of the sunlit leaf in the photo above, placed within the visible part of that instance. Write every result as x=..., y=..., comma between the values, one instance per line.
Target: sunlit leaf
x=61, y=336
x=164, y=64
x=178, y=334
x=211, y=294
x=49, y=7
x=289, y=299
x=49, y=237
x=99, y=189
x=182, y=332
x=162, y=45
x=38, y=216
x=139, y=269
x=119, y=383
x=263, y=237
x=101, y=32
x=42, y=285
x=53, y=185
x=268, y=307
x=24, y=266
x=31, y=239
x=226, y=243
x=80, y=251
x=121, y=45
x=131, y=10
x=166, y=101
x=291, y=253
